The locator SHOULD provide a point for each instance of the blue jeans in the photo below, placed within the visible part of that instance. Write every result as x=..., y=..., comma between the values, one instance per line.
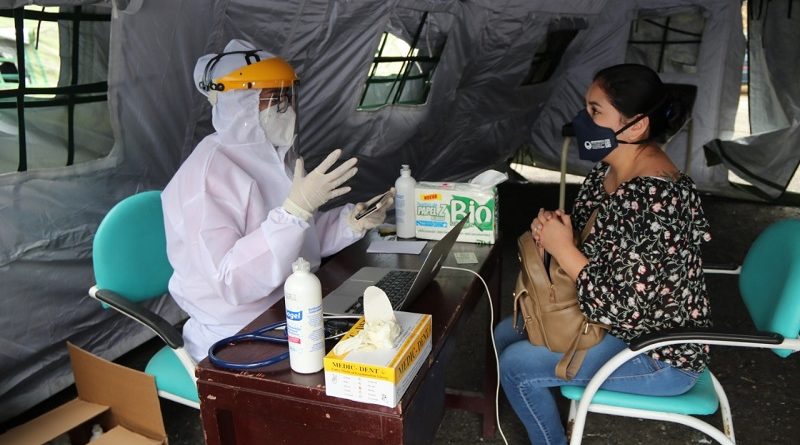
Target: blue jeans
x=527, y=373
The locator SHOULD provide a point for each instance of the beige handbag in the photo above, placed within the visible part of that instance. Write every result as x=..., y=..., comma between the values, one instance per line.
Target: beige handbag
x=549, y=305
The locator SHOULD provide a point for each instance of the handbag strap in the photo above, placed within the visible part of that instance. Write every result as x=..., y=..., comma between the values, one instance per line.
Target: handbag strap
x=519, y=291
x=570, y=362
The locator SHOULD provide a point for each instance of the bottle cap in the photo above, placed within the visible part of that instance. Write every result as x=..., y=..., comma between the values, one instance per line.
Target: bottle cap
x=301, y=265
x=405, y=170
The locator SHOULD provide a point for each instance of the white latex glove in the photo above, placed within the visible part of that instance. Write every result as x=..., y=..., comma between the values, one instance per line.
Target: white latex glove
x=375, y=218
x=310, y=191
x=380, y=325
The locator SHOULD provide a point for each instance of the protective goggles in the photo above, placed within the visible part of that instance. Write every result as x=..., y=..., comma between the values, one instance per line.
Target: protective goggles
x=280, y=98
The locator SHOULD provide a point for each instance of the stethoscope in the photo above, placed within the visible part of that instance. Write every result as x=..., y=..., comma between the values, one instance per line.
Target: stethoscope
x=259, y=335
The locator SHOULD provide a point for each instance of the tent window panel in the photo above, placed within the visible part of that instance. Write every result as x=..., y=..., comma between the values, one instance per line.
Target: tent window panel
x=41, y=51
x=667, y=43
x=404, y=62
x=548, y=55
x=9, y=145
x=47, y=139
x=53, y=93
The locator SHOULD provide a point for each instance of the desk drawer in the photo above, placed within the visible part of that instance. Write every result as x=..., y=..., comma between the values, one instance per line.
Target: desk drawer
x=236, y=416
x=233, y=416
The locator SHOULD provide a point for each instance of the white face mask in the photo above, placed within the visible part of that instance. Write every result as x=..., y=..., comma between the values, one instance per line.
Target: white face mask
x=278, y=127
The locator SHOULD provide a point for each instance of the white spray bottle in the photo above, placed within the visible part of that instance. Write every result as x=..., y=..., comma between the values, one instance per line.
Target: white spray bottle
x=304, y=324
x=405, y=204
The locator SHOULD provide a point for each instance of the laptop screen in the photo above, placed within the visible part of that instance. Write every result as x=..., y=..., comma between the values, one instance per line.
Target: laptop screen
x=433, y=262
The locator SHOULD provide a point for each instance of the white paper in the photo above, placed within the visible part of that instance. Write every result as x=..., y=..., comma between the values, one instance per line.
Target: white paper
x=489, y=179
x=384, y=246
x=465, y=257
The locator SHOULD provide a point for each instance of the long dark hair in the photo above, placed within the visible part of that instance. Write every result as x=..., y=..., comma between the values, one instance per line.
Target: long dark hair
x=635, y=89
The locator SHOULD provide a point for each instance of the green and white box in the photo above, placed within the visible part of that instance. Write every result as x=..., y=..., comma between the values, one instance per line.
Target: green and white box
x=441, y=205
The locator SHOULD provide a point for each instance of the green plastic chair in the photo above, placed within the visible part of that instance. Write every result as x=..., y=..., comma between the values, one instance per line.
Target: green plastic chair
x=770, y=287
x=130, y=267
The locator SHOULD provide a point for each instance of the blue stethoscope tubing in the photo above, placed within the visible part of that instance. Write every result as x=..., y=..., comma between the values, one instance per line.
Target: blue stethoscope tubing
x=252, y=336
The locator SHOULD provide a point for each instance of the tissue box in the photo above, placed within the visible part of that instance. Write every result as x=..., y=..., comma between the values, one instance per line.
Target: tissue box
x=441, y=205
x=380, y=376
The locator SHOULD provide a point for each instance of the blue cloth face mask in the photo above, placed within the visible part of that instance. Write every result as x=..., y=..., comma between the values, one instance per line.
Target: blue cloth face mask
x=596, y=142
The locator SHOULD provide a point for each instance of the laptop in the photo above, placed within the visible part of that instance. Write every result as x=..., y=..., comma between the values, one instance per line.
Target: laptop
x=402, y=286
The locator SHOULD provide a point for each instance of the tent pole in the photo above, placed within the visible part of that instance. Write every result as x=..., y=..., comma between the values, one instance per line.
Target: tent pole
x=689, y=147
x=563, y=185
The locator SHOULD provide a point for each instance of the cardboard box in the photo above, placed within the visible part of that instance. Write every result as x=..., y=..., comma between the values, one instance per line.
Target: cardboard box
x=121, y=400
x=380, y=376
x=441, y=205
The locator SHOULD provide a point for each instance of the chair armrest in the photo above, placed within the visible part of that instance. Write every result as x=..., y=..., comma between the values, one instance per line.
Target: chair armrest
x=648, y=342
x=701, y=336
x=722, y=268
x=156, y=323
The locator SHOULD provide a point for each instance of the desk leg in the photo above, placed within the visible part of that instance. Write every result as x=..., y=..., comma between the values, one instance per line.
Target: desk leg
x=490, y=372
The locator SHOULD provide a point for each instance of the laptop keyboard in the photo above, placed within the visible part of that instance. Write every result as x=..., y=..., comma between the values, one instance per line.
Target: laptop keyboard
x=395, y=283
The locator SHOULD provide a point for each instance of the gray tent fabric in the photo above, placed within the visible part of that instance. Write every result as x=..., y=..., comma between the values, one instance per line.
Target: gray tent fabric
x=476, y=112
x=49, y=217
x=480, y=108
x=768, y=170
x=774, y=30
x=768, y=159
x=715, y=72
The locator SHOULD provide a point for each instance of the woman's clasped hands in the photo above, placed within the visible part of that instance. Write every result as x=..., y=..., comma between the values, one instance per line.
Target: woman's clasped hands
x=552, y=231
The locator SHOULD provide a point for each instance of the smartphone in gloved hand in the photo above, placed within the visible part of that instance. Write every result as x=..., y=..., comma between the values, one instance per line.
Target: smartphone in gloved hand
x=375, y=206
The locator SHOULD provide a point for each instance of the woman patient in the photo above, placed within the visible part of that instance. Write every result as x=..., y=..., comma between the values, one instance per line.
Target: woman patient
x=640, y=269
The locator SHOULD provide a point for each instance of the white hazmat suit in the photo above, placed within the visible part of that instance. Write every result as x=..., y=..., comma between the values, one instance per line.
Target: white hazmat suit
x=229, y=241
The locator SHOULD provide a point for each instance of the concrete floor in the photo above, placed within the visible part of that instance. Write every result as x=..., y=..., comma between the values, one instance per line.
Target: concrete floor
x=759, y=384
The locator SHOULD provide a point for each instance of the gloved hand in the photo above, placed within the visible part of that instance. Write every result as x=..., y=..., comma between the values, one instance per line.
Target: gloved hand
x=375, y=218
x=310, y=191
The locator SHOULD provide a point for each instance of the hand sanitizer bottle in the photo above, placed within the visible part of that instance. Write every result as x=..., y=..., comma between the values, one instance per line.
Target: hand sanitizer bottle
x=304, y=324
x=405, y=204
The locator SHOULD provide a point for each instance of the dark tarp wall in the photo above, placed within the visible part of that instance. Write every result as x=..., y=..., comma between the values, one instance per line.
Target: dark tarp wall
x=715, y=71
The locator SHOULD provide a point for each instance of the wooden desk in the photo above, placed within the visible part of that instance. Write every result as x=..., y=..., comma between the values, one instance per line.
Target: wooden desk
x=276, y=405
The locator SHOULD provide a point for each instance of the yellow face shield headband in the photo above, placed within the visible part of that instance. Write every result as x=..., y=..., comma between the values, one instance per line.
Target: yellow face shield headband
x=256, y=74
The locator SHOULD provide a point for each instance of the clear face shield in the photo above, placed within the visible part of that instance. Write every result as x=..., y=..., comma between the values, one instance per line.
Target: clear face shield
x=276, y=114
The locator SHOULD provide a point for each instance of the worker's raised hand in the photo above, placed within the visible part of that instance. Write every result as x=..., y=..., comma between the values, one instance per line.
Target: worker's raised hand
x=310, y=191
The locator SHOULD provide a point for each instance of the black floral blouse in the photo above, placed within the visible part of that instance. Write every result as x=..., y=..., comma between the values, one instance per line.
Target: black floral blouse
x=645, y=271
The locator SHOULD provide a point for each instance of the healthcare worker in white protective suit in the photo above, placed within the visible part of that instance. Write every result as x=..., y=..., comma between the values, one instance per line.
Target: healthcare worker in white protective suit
x=236, y=214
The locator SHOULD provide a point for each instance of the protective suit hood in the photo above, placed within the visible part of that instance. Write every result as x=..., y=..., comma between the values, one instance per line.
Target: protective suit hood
x=235, y=113
x=235, y=117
